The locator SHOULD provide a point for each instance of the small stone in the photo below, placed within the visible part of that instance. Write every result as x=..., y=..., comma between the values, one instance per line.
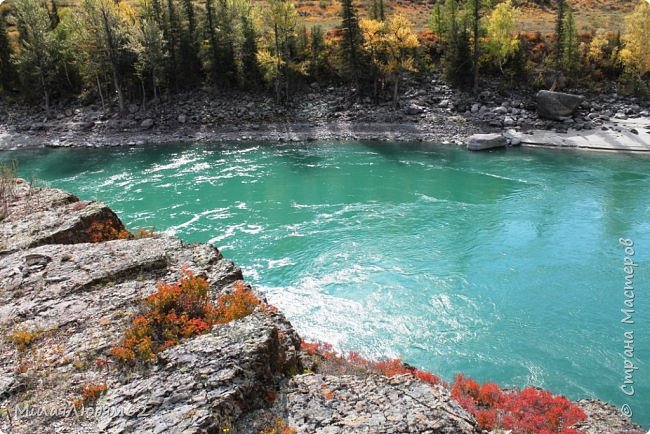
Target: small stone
x=147, y=123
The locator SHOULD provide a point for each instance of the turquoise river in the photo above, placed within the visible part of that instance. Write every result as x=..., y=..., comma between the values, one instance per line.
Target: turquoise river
x=506, y=265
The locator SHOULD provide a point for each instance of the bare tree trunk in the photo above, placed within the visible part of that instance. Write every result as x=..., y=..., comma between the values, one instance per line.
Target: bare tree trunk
x=144, y=95
x=374, y=88
x=118, y=89
x=99, y=89
x=46, y=95
x=476, y=46
x=67, y=75
x=286, y=85
x=114, y=62
x=277, y=65
x=395, y=91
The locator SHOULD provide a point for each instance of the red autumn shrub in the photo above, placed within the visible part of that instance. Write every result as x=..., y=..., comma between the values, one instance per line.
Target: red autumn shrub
x=387, y=367
x=391, y=367
x=486, y=418
x=90, y=393
x=427, y=377
x=238, y=304
x=465, y=387
x=490, y=394
x=177, y=311
x=535, y=411
x=529, y=411
x=105, y=231
x=314, y=348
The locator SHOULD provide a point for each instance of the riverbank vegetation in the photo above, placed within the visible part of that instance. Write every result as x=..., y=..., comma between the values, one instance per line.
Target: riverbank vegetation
x=125, y=52
x=529, y=410
x=180, y=310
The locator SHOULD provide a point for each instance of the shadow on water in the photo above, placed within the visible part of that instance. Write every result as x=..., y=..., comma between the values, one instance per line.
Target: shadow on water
x=301, y=156
x=398, y=151
x=63, y=163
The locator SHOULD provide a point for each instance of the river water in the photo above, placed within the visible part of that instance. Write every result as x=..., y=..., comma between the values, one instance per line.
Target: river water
x=506, y=266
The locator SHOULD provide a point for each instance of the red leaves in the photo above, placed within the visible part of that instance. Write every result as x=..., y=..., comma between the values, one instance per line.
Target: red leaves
x=100, y=232
x=90, y=393
x=465, y=387
x=529, y=411
x=238, y=304
x=490, y=394
x=387, y=367
x=180, y=310
x=524, y=412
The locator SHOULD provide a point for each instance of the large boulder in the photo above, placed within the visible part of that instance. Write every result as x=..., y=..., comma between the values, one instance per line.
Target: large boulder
x=557, y=105
x=480, y=142
x=37, y=216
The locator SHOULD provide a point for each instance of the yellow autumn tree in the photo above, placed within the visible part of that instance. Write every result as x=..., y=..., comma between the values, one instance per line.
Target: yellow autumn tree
x=390, y=46
x=635, y=53
x=400, y=42
x=372, y=32
x=274, y=56
x=501, y=23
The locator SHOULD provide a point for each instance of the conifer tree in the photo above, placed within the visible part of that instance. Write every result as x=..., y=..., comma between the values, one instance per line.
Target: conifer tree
x=211, y=65
x=457, y=60
x=559, y=33
x=105, y=33
x=146, y=41
x=54, y=15
x=250, y=70
x=38, y=47
x=7, y=72
x=569, y=42
x=189, y=63
x=351, y=42
x=171, y=34
x=377, y=10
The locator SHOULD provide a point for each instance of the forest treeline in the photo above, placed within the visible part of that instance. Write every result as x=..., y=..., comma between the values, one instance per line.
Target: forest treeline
x=120, y=52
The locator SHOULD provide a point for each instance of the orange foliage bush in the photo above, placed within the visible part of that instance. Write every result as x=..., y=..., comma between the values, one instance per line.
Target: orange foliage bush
x=280, y=427
x=531, y=36
x=100, y=232
x=238, y=304
x=180, y=310
x=143, y=233
x=90, y=393
x=22, y=338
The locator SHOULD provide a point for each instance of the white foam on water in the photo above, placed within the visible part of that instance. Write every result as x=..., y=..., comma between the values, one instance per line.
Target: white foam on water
x=277, y=263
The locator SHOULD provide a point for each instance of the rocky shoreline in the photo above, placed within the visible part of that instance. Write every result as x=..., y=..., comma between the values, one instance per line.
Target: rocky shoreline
x=75, y=297
x=429, y=111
